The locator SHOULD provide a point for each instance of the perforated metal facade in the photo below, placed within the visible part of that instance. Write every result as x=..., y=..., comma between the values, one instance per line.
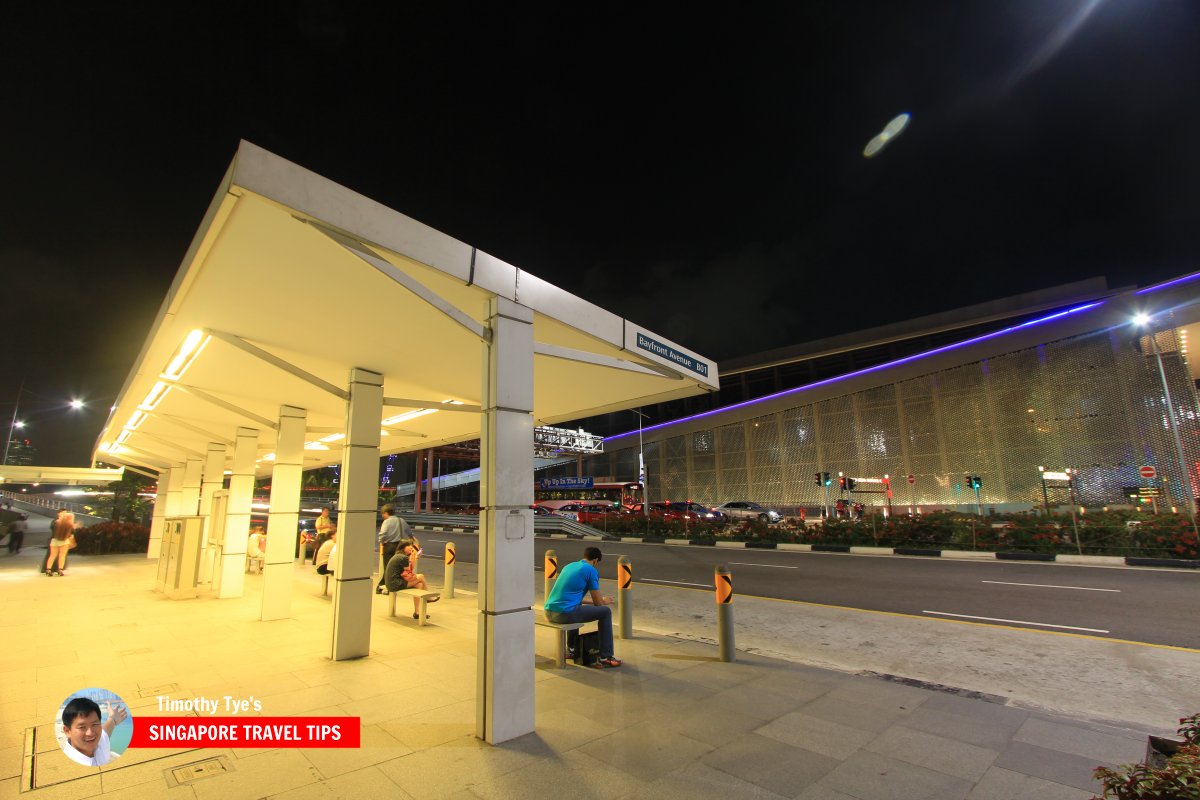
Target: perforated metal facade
x=1093, y=403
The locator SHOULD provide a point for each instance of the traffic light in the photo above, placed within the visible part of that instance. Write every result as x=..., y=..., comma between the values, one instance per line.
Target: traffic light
x=842, y=482
x=849, y=484
x=825, y=479
x=819, y=481
x=974, y=482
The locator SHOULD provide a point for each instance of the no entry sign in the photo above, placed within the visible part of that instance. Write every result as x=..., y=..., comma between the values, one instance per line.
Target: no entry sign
x=912, y=479
x=1148, y=472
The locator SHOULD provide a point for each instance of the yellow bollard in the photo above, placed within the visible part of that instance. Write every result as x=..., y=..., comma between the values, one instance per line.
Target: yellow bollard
x=625, y=596
x=448, y=582
x=724, y=584
x=549, y=574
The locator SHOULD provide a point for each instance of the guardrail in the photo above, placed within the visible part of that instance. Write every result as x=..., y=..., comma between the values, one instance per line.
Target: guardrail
x=470, y=522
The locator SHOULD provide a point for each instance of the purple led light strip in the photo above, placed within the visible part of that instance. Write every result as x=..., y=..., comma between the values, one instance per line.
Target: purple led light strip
x=867, y=370
x=1158, y=286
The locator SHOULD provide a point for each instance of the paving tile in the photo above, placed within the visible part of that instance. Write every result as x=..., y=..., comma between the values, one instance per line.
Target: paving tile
x=453, y=767
x=961, y=760
x=362, y=783
x=1002, y=784
x=870, y=776
x=1110, y=745
x=819, y=792
x=645, y=750
x=1051, y=765
x=874, y=715
x=717, y=728
x=376, y=746
x=775, y=766
x=574, y=775
x=994, y=734
x=698, y=780
x=269, y=772
x=818, y=735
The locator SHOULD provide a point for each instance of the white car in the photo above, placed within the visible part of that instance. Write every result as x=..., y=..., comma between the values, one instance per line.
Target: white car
x=741, y=509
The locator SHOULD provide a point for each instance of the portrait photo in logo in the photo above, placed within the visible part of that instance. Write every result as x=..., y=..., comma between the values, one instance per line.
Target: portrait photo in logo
x=93, y=727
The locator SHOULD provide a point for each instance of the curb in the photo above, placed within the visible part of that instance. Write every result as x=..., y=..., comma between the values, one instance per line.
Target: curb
x=971, y=555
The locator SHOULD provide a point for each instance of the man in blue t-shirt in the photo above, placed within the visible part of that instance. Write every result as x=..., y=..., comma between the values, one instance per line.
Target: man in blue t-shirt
x=565, y=603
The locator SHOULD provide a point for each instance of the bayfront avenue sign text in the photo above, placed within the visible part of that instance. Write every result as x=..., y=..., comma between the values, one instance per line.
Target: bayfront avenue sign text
x=671, y=354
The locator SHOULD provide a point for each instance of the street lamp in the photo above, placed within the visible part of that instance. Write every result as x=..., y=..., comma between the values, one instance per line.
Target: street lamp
x=13, y=423
x=642, y=465
x=1142, y=320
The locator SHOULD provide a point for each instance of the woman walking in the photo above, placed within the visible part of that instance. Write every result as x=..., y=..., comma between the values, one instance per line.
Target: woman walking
x=62, y=535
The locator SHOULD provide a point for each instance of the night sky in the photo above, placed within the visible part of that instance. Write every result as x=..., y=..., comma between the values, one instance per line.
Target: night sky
x=700, y=175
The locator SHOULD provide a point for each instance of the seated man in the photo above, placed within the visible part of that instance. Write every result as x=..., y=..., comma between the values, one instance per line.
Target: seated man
x=565, y=603
x=88, y=740
x=325, y=555
x=399, y=574
x=256, y=550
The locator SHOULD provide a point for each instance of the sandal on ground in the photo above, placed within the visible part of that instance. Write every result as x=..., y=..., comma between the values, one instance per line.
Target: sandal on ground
x=418, y=616
x=433, y=599
x=607, y=663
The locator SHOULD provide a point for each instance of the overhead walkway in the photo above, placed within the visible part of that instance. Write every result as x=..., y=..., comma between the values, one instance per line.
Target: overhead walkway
x=469, y=476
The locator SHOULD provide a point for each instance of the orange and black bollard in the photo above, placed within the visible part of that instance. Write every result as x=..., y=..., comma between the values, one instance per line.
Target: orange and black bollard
x=724, y=583
x=549, y=574
x=448, y=582
x=625, y=596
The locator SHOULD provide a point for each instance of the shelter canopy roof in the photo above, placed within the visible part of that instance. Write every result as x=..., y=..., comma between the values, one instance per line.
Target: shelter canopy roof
x=293, y=280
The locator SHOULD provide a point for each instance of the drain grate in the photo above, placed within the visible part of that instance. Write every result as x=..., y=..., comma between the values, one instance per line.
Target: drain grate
x=198, y=771
x=938, y=687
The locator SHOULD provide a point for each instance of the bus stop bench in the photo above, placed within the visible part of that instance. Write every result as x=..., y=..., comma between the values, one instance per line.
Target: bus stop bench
x=563, y=628
x=424, y=595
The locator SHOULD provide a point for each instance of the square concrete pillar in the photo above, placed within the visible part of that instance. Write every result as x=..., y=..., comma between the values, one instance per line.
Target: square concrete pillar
x=505, y=677
x=153, y=550
x=175, y=491
x=213, y=482
x=189, y=495
x=232, y=577
x=353, y=588
x=282, y=519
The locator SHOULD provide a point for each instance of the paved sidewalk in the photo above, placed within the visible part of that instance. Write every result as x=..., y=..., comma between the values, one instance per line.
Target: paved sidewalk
x=673, y=722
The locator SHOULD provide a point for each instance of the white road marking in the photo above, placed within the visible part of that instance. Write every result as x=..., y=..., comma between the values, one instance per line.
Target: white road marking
x=677, y=583
x=1054, y=586
x=1016, y=622
x=747, y=564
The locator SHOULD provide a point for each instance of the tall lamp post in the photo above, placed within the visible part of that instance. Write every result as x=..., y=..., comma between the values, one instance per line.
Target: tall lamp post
x=13, y=423
x=642, y=464
x=1143, y=321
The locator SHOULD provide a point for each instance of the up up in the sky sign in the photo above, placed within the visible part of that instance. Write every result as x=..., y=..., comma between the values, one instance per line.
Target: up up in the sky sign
x=671, y=354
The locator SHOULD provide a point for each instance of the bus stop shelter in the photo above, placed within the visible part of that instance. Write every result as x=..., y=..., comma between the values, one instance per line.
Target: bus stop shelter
x=310, y=326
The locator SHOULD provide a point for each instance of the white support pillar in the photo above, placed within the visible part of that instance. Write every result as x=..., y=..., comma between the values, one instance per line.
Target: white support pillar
x=237, y=514
x=214, y=481
x=282, y=527
x=504, y=698
x=189, y=495
x=353, y=588
x=160, y=513
x=175, y=491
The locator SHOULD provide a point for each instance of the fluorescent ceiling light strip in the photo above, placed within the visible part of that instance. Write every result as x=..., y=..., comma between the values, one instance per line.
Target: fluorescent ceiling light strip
x=866, y=371
x=191, y=348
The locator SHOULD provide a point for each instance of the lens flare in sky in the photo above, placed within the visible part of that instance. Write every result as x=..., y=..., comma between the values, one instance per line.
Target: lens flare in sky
x=889, y=132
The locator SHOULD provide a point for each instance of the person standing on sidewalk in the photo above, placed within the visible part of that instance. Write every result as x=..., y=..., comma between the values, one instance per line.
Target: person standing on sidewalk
x=565, y=603
x=392, y=532
x=16, y=534
x=62, y=539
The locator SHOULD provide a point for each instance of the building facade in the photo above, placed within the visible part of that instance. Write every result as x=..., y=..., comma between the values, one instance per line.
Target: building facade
x=1080, y=387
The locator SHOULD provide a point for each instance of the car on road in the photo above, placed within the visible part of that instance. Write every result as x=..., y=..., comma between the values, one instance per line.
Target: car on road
x=744, y=509
x=598, y=514
x=682, y=510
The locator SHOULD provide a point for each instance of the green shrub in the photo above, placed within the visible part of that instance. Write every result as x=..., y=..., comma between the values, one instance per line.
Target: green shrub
x=112, y=537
